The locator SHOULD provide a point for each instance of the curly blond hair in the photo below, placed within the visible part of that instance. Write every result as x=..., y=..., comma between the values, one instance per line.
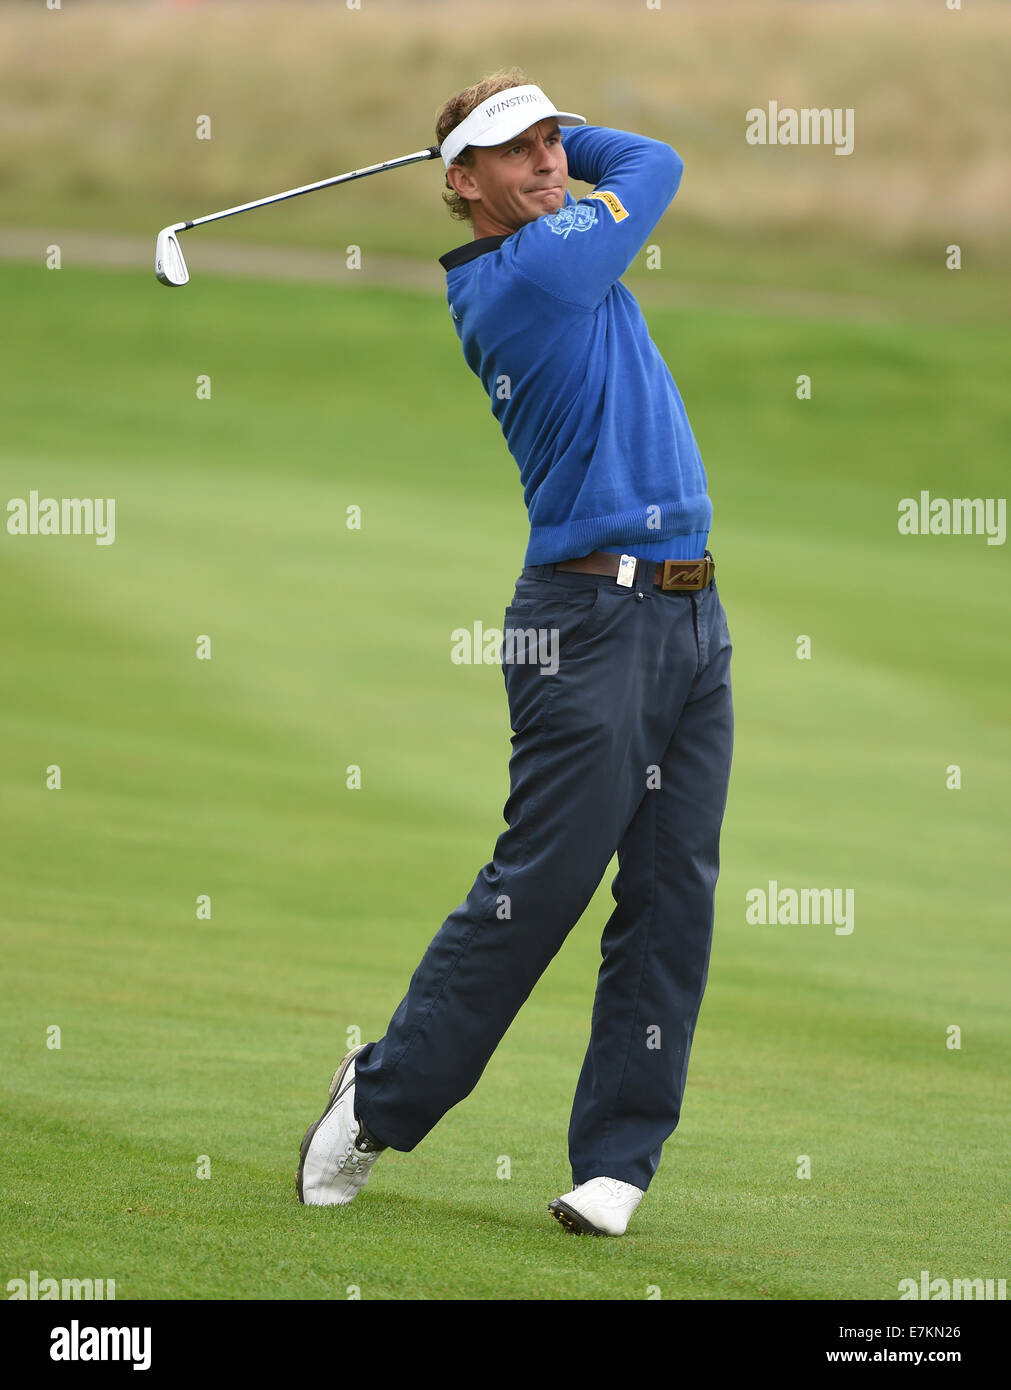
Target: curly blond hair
x=459, y=107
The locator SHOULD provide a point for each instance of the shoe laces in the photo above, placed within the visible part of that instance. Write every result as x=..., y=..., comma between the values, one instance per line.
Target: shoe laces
x=358, y=1160
x=615, y=1187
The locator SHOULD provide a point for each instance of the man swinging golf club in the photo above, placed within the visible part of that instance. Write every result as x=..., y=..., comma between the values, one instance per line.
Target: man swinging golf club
x=624, y=742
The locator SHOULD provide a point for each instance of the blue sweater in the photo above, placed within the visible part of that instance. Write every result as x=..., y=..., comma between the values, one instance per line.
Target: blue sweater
x=587, y=405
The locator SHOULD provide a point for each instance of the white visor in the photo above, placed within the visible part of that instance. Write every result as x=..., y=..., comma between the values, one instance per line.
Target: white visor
x=500, y=118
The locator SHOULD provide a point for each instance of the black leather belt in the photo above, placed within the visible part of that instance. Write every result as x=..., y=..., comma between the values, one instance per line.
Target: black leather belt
x=668, y=574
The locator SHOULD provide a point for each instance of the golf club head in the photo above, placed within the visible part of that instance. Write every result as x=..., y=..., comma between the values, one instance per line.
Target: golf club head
x=169, y=262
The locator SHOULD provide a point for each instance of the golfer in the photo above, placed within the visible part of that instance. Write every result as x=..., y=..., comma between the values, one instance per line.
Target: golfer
x=619, y=691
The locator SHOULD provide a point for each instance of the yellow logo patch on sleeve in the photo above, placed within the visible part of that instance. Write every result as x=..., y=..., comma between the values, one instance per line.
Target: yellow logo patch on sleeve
x=612, y=202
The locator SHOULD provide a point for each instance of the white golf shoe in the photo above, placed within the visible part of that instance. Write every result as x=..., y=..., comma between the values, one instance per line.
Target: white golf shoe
x=600, y=1207
x=337, y=1152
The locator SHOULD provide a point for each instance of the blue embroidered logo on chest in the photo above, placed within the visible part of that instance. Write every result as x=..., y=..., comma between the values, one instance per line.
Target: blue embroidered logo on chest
x=577, y=217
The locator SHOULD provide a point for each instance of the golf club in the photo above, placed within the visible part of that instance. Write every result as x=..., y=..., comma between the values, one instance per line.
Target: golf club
x=169, y=262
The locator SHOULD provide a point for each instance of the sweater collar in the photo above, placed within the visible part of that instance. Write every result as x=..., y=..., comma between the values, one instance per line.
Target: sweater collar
x=481, y=245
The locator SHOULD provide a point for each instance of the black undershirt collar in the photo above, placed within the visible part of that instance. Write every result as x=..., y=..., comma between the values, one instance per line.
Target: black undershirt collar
x=478, y=247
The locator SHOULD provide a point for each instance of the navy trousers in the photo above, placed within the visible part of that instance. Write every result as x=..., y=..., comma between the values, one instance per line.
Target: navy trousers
x=622, y=724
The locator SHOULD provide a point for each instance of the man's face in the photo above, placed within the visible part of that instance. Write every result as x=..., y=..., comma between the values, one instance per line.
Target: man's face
x=511, y=184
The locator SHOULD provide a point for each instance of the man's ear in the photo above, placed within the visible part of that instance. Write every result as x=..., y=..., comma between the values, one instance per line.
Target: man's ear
x=461, y=180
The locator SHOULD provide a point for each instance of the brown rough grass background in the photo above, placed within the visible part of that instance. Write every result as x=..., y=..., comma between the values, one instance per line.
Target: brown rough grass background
x=98, y=104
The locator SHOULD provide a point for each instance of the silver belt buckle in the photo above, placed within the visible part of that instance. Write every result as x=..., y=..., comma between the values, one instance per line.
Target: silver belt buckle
x=626, y=571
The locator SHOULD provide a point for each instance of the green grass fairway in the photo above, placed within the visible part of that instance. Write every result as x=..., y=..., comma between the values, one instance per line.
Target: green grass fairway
x=184, y=1038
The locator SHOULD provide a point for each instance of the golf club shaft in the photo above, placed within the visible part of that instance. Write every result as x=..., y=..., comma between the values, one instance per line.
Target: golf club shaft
x=430, y=153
